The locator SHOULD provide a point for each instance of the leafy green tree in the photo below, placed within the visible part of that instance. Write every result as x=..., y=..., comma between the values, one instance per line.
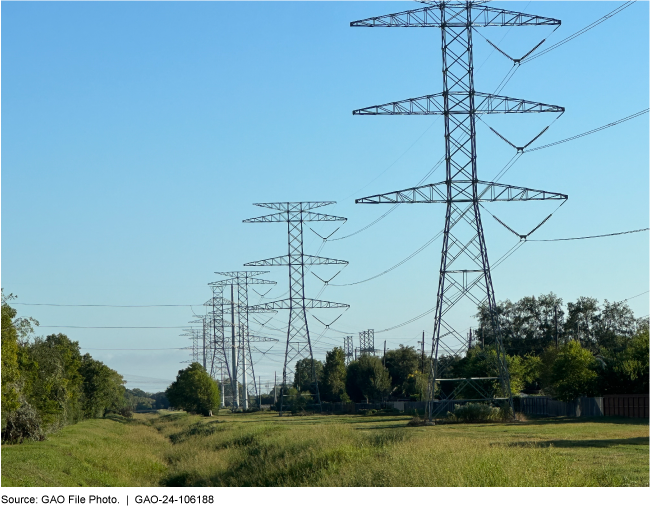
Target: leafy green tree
x=103, y=388
x=403, y=364
x=626, y=371
x=52, y=379
x=573, y=372
x=194, y=391
x=298, y=401
x=334, y=376
x=303, y=379
x=367, y=378
x=10, y=372
x=583, y=321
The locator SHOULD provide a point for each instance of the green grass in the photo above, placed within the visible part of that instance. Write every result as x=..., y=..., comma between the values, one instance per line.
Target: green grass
x=260, y=449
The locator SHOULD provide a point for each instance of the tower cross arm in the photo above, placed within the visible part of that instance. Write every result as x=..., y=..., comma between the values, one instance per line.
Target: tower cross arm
x=289, y=260
x=462, y=191
x=297, y=206
x=481, y=16
x=257, y=338
x=309, y=303
x=459, y=105
x=295, y=217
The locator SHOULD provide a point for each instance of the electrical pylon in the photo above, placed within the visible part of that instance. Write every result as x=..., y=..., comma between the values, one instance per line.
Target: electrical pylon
x=298, y=340
x=348, y=348
x=367, y=342
x=462, y=191
x=241, y=280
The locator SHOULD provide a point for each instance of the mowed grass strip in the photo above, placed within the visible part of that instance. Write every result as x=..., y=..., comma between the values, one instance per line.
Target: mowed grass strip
x=104, y=452
x=260, y=449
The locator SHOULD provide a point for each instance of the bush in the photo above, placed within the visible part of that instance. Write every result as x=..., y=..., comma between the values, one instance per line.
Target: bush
x=474, y=413
x=126, y=412
x=23, y=424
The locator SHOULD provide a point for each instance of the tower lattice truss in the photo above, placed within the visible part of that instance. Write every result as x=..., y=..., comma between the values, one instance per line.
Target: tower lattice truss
x=299, y=345
x=464, y=266
x=236, y=352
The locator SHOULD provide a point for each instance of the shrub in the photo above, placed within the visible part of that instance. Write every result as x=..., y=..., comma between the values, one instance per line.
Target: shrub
x=126, y=412
x=473, y=413
x=23, y=424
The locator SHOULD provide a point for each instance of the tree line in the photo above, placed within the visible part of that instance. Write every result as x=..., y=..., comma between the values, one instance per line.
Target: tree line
x=584, y=349
x=47, y=383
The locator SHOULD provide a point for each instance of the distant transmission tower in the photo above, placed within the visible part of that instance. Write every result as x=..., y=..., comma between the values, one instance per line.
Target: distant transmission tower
x=298, y=340
x=464, y=267
x=241, y=280
x=367, y=342
x=348, y=347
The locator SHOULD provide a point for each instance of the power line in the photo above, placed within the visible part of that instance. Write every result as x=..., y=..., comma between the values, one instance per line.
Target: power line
x=119, y=327
x=100, y=305
x=612, y=124
x=595, y=236
x=640, y=294
x=579, y=32
x=132, y=349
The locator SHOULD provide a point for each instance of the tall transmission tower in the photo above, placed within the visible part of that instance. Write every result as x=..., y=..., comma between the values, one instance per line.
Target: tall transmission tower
x=367, y=342
x=299, y=344
x=464, y=266
x=241, y=280
x=217, y=351
x=348, y=348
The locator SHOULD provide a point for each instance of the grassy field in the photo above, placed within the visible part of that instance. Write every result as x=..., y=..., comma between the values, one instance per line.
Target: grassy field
x=260, y=449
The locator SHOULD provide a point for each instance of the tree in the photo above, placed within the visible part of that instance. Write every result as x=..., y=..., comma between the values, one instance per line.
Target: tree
x=627, y=371
x=583, y=320
x=403, y=365
x=367, y=378
x=10, y=372
x=194, y=391
x=52, y=379
x=103, y=388
x=334, y=376
x=303, y=377
x=573, y=373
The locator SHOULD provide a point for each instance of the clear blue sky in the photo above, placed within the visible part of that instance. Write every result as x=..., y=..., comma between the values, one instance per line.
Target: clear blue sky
x=136, y=136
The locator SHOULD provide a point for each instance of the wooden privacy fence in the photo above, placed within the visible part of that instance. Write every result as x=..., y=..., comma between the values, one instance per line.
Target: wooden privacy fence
x=632, y=406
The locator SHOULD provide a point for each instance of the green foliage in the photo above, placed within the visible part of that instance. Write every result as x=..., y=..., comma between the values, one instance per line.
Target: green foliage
x=367, y=378
x=298, y=401
x=334, y=376
x=474, y=413
x=194, y=391
x=23, y=424
x=304, y=375
x=404, y=364
x=626, y=371
x=10, y=372
x=103, y=388
x=573, y=372
x=53, y=380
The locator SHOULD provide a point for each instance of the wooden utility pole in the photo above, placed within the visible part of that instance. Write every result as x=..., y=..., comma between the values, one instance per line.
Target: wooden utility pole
x=470, y=339
x=275, y=388
x=384, y=353
x=556, y=334
x=422, y=351
x=259, y=383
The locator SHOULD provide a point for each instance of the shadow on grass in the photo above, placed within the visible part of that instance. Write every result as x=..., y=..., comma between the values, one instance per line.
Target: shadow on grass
x=582, y=443
x=545, y=420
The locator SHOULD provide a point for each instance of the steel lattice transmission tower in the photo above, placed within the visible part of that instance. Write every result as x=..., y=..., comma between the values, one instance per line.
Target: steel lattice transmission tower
x=298, y=340
x=367, y=342
x=241, y=280
x=348, y=348
x=464, y=266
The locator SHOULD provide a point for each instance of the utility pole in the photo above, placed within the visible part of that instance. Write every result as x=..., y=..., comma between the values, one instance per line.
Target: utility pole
x=555, y=319
x=275, y=387
x=295, y=214
x=470, y=339
x=423, y=351
x=464, y=267
x=259, y=382
x=384, y=353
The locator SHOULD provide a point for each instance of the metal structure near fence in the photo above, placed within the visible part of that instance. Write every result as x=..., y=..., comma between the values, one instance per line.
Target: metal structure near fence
x=367, y=342
x=464, y=266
